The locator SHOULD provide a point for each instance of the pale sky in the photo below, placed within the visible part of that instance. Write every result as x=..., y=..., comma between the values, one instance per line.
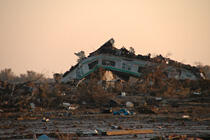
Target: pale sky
x=42, y=35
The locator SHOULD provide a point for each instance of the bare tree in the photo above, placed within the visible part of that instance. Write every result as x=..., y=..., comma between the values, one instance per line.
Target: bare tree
x=7, y=75
x=31, y=76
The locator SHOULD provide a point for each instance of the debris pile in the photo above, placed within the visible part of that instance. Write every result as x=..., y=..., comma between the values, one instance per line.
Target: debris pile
x=113, y=82
x=125, y=63
x=106, y=79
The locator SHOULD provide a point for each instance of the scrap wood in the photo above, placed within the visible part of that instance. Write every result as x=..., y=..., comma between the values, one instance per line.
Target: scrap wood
x=128, y=132
x=26, y=118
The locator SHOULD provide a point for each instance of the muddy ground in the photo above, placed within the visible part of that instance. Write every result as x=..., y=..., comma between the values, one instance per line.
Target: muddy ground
x=188, y=118
x=162, y=125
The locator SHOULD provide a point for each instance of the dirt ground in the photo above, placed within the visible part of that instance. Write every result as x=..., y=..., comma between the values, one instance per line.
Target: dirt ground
x=162, y=125
x=188, y=118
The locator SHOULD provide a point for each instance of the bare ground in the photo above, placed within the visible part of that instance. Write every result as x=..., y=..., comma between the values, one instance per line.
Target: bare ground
x=167, y=121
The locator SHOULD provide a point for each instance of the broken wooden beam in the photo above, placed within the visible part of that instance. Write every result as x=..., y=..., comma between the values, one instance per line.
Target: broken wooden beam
x=128, y=132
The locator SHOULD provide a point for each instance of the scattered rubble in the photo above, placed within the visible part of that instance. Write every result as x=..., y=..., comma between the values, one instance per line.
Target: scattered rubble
x=129, y=104
x=123, y=112
x=114, y=82
x=44, y=119
x=123, y=94
x=185, y=116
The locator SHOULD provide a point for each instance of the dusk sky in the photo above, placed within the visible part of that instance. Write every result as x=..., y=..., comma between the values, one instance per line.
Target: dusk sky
x=42, y=35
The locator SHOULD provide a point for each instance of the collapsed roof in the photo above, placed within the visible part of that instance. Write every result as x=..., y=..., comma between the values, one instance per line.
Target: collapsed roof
x=124, y=62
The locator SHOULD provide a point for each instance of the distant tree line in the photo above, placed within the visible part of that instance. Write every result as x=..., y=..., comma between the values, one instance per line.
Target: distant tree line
x=8, y=75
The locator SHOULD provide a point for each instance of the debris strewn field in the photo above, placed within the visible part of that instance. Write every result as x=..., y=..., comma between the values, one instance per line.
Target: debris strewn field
x=106, y=104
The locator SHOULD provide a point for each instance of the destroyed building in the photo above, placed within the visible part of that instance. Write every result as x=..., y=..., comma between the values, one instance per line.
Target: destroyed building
x=125, y=63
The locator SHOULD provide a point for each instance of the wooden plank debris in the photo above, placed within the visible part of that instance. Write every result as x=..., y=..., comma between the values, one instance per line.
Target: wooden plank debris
x=128, y=132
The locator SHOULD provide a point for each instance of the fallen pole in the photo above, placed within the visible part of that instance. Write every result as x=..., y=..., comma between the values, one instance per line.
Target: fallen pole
x=128, y=132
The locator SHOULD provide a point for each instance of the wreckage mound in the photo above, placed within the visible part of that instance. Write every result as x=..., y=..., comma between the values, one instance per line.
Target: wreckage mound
x=113, y=84
x=102, y=89
x=108, y=78
x=126, y=63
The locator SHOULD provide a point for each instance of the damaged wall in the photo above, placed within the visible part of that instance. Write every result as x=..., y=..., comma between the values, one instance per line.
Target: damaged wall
x=121, y=64
x=121, y=60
